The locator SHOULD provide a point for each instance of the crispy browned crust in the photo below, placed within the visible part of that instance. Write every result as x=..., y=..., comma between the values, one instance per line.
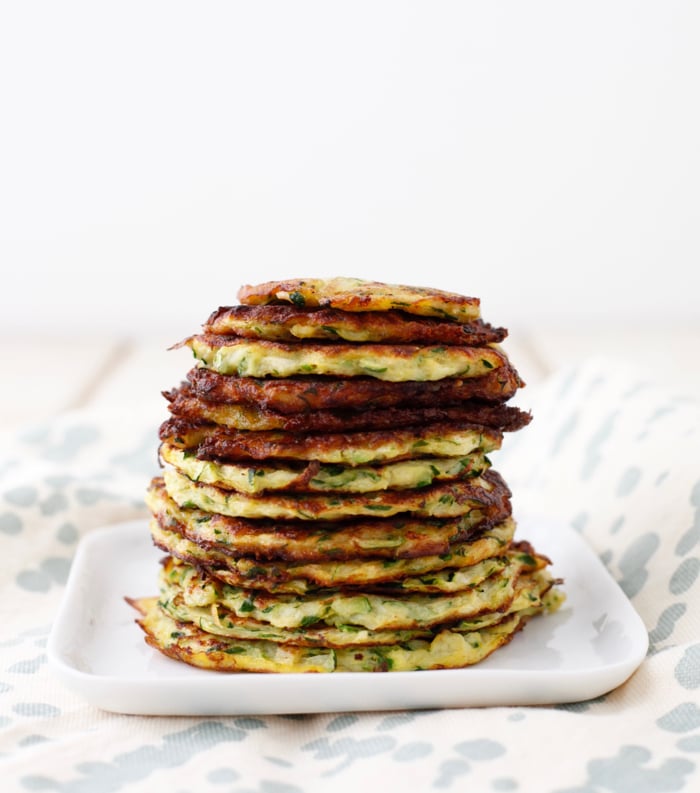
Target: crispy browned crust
x=303, y=394
x=135, y=603
x=287, y=540
x=209, y=441
x=280, y=323
x=526, y=547
x=185, y=404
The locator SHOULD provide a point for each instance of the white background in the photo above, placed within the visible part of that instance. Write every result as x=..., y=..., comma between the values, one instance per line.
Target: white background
x=154, y=156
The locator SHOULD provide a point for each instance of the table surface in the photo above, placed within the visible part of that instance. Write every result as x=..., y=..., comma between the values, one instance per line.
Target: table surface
x=50, y=375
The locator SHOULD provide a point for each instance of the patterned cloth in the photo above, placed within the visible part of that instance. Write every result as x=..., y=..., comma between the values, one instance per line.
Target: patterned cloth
x=608, y=450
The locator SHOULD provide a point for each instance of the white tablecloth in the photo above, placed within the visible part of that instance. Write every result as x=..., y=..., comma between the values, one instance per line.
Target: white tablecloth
x=607, y=450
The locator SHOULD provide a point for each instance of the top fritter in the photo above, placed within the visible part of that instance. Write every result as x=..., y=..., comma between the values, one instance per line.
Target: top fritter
x=356, y=294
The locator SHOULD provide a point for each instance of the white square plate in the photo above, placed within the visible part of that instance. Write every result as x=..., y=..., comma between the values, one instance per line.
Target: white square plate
x=589, y=647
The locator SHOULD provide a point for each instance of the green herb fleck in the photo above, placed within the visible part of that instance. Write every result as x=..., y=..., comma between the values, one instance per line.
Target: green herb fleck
x=375, y=369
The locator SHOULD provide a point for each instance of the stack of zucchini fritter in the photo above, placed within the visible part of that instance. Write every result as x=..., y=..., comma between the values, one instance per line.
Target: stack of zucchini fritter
x=327, y=501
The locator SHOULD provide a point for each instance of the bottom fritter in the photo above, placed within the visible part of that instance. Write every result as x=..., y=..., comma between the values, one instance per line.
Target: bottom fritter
x=449, y=649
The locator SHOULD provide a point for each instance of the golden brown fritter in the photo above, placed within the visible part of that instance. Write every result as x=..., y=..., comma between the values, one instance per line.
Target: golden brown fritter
x=356, y=294
x=399, y=537
x=312, y=476
x=189, y=596
x=479, y=589
x=196, y=647
x=291, y=324
x=303, y=394
x=440, y=500
x=208, y=441
x=391, y=362
x=185, y=404
x=300, y=577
